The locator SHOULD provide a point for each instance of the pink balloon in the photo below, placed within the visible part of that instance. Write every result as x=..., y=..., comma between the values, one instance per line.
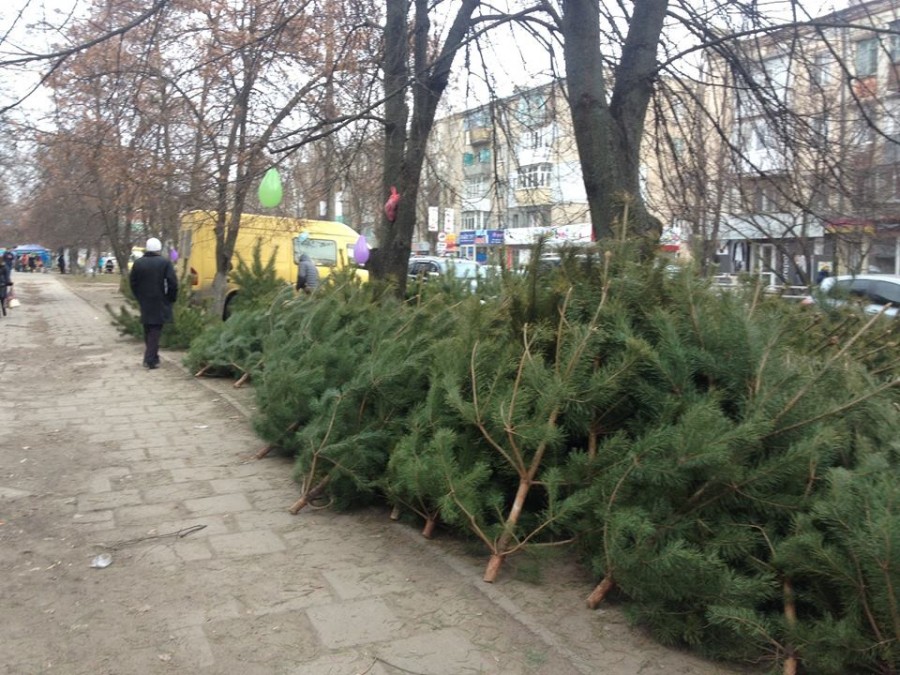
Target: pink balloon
x=361, y=251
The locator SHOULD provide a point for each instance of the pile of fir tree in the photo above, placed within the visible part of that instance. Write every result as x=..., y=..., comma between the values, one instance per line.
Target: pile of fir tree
x=725, y=462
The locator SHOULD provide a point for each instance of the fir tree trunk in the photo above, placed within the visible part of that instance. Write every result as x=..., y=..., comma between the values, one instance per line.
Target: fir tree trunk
x=266, y=450
x=493, y=567
x=428, y=530
x=310, y=495
x=500, y=550
x=202, y=371
x=395, y=512
x=242, y=379
x=601, y=591
x=790, y=617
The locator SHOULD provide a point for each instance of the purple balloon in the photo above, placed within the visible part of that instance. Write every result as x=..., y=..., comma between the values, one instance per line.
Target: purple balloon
x=361, y=251
x=173, y=255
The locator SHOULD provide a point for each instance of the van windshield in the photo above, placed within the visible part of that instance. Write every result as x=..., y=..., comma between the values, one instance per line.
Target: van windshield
x=323, y=252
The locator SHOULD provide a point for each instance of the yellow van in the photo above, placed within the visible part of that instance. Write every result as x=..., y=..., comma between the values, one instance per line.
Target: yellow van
x=329, y=245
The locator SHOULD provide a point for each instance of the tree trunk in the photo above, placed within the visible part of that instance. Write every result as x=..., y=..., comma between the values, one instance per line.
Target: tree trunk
x=428, y=530
x=500, y=551
x=601, y=591
x=790, y=617
x=406, y=137
x=309, y=496
x=493, y=568
x=608, y=136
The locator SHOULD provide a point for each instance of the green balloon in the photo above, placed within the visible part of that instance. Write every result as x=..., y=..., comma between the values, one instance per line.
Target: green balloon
x=270, y=189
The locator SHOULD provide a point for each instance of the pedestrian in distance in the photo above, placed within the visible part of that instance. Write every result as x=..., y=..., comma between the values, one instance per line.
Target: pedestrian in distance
x=155, y=287
x=61, y=261
x=307, y=275
x=823, y=274
x=5, y=284
x=32, y=263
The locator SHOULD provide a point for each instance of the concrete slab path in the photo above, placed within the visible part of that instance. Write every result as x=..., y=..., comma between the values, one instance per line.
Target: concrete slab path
x=209, y=572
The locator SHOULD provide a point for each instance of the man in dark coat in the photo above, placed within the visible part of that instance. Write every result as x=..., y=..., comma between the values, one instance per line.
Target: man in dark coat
x=155, y=287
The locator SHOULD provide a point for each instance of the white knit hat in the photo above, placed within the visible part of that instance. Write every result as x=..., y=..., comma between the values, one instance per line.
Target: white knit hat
x=154, y=245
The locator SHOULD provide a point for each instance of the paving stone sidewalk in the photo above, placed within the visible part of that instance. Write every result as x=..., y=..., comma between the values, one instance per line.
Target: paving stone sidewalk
x=210, y=573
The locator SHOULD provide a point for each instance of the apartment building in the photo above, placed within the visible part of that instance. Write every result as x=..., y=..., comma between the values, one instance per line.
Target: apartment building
x=801, y=132
x=501, y=175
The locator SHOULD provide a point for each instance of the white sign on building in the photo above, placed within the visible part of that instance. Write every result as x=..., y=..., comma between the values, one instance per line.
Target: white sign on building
x=448, y=219
x=432, y=219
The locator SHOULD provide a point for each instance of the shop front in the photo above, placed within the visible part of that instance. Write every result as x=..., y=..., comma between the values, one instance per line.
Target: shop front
x=516, y=244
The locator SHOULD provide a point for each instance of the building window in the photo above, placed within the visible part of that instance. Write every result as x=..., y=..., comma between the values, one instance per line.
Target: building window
x=476, y=119
x=895, y=42
x=534, y=176
x=475, y=220
x=862, y=131
x=889, y=183
x=484, y=156
x=533, y=108
x=821, y=69
x=468, y=159
x=474, y=187
x=866, y=57
x=777, y=76
x=536, y=138
x=894, y=72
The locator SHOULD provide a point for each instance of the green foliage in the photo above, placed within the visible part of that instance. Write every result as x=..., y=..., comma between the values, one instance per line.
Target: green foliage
x=258, y=282
x=189, y=320
x=725, y=458
x=235, y=347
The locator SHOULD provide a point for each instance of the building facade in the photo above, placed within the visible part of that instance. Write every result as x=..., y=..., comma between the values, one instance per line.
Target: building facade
x=501, y=175
x=803, y=149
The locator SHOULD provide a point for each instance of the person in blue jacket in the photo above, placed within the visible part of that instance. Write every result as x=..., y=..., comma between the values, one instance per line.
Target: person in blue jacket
x=155, y=287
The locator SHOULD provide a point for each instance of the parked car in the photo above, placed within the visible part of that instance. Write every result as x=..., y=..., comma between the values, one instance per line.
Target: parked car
x=428, y=267
x=873, y=292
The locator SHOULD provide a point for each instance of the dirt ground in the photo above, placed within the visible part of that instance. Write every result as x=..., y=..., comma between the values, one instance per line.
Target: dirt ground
x=98, y=455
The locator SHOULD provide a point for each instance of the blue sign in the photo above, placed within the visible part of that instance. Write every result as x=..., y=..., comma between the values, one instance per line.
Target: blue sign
x=495, y=238
x=466, y=238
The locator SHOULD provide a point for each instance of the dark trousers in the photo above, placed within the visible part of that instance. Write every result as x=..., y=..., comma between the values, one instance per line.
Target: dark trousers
x=152, y=333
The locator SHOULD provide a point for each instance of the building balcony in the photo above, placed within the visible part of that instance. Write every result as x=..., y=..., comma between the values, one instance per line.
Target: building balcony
x=478, y=136
x=540, y=196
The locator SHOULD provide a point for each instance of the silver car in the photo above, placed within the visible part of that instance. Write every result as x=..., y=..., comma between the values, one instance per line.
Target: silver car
x=427, y=266
x=873, y=292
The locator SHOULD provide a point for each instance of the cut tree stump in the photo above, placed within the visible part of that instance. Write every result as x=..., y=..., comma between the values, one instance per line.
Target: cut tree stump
x=493, y=568
x=428, y=530
x=309, y=496
x=601, y=591
x=266, y=450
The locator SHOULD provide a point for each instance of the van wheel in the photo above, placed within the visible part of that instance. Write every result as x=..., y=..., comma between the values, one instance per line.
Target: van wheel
x=229, y=306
